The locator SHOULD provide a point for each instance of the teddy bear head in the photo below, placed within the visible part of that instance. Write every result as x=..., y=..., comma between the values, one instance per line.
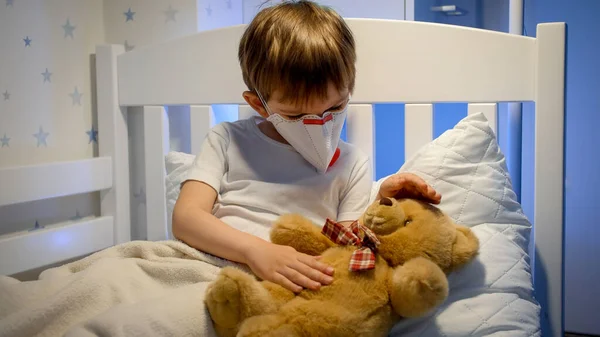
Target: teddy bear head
x=409, y=228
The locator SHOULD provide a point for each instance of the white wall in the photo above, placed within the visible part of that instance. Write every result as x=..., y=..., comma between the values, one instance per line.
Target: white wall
x=380, y=9
x=150, y=21
x=213, y=14
x=61, y=37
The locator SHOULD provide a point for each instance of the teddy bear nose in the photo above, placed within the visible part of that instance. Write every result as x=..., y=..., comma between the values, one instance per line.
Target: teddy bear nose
x=385, y=202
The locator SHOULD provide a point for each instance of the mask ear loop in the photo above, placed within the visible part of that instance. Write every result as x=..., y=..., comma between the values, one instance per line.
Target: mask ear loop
x=348, y=102
x=264, y=103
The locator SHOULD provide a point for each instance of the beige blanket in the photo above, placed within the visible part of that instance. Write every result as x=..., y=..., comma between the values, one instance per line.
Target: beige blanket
x=138, y=288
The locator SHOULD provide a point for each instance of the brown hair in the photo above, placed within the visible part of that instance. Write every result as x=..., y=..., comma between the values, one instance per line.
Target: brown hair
x=297, y=47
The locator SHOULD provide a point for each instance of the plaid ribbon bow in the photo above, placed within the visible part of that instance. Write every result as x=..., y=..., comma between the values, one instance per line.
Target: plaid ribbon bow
x=364, y=257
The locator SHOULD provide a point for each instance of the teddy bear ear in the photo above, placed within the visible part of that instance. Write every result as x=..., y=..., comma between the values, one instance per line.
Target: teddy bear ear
x=465, y=248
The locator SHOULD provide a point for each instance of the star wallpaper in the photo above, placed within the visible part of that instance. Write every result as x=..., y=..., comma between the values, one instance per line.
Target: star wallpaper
x=46, y=86
x=46, y=100
x=47, y=111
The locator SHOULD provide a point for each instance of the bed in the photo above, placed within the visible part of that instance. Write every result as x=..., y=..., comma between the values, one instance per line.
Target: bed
x=398, y=61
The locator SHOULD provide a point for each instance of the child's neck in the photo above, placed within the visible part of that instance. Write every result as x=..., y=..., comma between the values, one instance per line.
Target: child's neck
x=269, y=130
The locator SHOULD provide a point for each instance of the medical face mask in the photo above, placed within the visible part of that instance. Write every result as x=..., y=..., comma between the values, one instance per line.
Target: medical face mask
x=315, y=138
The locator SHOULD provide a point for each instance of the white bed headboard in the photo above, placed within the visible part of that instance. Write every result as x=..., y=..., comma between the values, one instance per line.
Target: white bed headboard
x=398, y=61
x=408, y=62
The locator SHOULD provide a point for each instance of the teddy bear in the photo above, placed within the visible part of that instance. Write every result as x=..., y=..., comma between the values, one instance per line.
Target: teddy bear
x=391, y=263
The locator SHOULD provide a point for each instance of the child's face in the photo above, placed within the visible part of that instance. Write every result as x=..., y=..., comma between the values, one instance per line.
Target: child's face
x=335, y=101
x=316, y=139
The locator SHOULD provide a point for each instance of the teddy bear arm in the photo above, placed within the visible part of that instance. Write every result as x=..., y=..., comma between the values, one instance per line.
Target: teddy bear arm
x=235, y=296
x=300, y=233
x=465, y=248
x=417, y=287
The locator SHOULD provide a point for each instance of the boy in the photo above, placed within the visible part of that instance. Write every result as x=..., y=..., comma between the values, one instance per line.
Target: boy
x=298, y=61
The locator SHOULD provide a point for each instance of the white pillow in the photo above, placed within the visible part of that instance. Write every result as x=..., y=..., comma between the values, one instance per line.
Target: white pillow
x=493, y=295
x=467, y=167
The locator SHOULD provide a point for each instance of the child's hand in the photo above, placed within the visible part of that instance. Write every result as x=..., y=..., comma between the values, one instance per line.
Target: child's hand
x=287, y=267
x=408, y=185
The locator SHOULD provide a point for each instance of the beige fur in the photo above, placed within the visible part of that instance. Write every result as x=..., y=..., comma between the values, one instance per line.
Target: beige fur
x=419, y=246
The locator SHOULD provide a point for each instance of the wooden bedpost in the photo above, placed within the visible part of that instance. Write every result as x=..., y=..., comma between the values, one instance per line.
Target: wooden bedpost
x=548, y=264
x=156, y=147
x=202, y=118
x=360, y=130
x=418, y=128
x=113, y=141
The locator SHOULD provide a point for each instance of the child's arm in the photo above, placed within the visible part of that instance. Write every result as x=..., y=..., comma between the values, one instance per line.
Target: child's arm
x=194, y=224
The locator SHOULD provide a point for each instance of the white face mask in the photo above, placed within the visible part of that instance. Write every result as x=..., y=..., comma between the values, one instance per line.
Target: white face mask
x=315, y=138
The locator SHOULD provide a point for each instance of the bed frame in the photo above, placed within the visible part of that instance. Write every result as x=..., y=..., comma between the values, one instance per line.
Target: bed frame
x=408, y=62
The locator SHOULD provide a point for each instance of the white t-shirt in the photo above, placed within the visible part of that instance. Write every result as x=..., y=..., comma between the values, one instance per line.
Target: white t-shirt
x=259, y=179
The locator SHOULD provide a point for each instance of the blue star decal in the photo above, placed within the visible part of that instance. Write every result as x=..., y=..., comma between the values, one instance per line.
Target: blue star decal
x=36, y=226
x=47, y=75
x=93, y=135
x=170, y=14
x=208, y=11
x=68, y=29
x=228, y=2
x=141, y=197
x=9, y=3
x=76, y=96
x=5, y=141
x=41, y=137
x=128, y=47
x=27, y=41
x=129, y=15
x=6, y=95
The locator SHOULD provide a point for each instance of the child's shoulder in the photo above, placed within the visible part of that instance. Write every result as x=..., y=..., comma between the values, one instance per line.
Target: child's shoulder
x=352, y=154
x=226, y=129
